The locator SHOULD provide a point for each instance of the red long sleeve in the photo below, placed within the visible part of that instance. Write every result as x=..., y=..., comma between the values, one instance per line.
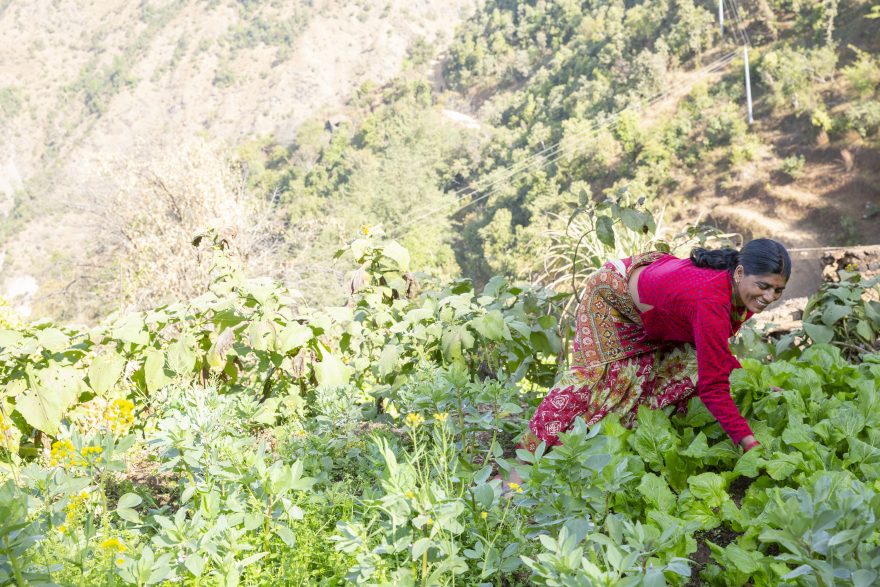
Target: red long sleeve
x=693, y=304
x=714, y=364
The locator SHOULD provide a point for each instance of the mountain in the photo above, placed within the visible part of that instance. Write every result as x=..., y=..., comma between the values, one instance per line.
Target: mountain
x=82, y=83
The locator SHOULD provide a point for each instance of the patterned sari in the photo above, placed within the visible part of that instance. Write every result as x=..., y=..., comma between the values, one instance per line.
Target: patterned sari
x=615, y=368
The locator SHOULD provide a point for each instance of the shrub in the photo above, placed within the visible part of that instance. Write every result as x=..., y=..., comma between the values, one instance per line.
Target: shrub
x=864, y=118
x=793, y=76
x=863, y=74
x=793, y=166
x=821, y=119
x=10, y=102
x=744, y=150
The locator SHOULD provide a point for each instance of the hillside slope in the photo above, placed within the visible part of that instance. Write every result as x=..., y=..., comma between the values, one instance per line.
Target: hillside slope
x=82, y=82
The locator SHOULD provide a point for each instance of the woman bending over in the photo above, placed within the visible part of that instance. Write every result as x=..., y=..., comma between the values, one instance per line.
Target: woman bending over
x=654, y=329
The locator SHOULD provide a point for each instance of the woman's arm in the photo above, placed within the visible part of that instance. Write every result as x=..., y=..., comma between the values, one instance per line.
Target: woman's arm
x=748, y=443
x=714, y=364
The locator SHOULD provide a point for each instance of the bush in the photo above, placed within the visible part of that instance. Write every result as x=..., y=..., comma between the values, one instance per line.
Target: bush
x=864, y=118
x=10, y=102
x=821, y=119
x=744, y=150
x=793, y=166
x=864, y=74
x=793, y=76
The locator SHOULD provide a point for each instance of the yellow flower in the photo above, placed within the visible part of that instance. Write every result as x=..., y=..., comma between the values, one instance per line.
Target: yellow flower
x=91, y=450
x=441, y=417
x=63, y=454
x=410, y=495
x=76, y=506
x=5, y=426
x=414, y=419
x=365, y=230
x=113, y=544
x=484, y=515
x=515, y=487
x=430, y=521
x=119, y=560
x=119, y=416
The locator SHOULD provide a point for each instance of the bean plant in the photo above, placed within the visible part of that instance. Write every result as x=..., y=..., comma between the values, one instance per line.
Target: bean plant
x=239, y=439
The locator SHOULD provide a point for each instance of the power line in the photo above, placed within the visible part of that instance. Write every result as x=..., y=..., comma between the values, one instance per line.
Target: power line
x=556, y=151
x=744, y=35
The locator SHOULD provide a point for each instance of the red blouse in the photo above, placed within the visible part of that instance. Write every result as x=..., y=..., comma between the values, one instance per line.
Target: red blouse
x=693, y=304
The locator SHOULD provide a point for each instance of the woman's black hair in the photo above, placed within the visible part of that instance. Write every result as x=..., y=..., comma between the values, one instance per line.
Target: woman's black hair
x=760, y=256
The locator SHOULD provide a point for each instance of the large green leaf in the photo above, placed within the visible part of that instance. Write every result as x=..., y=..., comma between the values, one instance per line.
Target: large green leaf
x=637, y=221
x=605, y=230
x=745, y=561
x=260, y=288
x=750, y=463
x=130, y=328
x=9, y=338
x=492, y=326
x=50, y=393
x=52, y=339
x=261, y=335
x=709, y=487
x=818, y=332
x=653, y=437
x=781, y=465
x=155, y=373
x=834, y=312
x=330, y=371
x=388, y=360
x=182, y=354
x=397, y=253
x=865, y=331
x=291, y=337
x=455, y=340
x=105, y=371
x=656, y=492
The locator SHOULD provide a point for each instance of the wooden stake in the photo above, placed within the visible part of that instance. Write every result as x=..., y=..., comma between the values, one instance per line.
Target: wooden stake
x=721, y=16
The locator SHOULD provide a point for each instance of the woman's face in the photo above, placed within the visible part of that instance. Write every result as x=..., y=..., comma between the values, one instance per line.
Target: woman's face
x=756, y=292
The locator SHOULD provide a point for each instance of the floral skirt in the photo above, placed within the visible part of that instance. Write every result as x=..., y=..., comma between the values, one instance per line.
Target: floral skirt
x=615, y=368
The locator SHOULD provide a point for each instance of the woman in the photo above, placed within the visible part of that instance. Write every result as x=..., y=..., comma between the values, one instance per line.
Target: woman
x=653, y=330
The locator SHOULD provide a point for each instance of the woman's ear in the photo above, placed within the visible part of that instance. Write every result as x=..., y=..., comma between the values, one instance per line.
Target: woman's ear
x=739, y=273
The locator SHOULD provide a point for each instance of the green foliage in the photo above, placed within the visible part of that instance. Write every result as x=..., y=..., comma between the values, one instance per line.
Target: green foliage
x=863, y=74
x=99, y=85
x=844, y=314
x=223, y=77
x=98, y=81
x=793, y=166
x=793, y=76
x=864, y=118
x=259, y=26
x=370, y=433
x=11, y=102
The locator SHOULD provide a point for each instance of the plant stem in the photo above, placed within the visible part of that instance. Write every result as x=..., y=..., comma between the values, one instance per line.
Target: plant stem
x=425, y=568
x=16, y=569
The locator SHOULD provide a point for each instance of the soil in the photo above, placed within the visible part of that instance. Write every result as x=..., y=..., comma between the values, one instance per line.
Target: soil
x=720, y=536
x=148, y=481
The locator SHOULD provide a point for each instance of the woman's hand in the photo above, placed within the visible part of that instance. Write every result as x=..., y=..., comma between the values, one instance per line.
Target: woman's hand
x=748, y=443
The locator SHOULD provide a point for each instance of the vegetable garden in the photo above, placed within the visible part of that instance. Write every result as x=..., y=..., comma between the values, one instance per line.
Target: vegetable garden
x=231, y=440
